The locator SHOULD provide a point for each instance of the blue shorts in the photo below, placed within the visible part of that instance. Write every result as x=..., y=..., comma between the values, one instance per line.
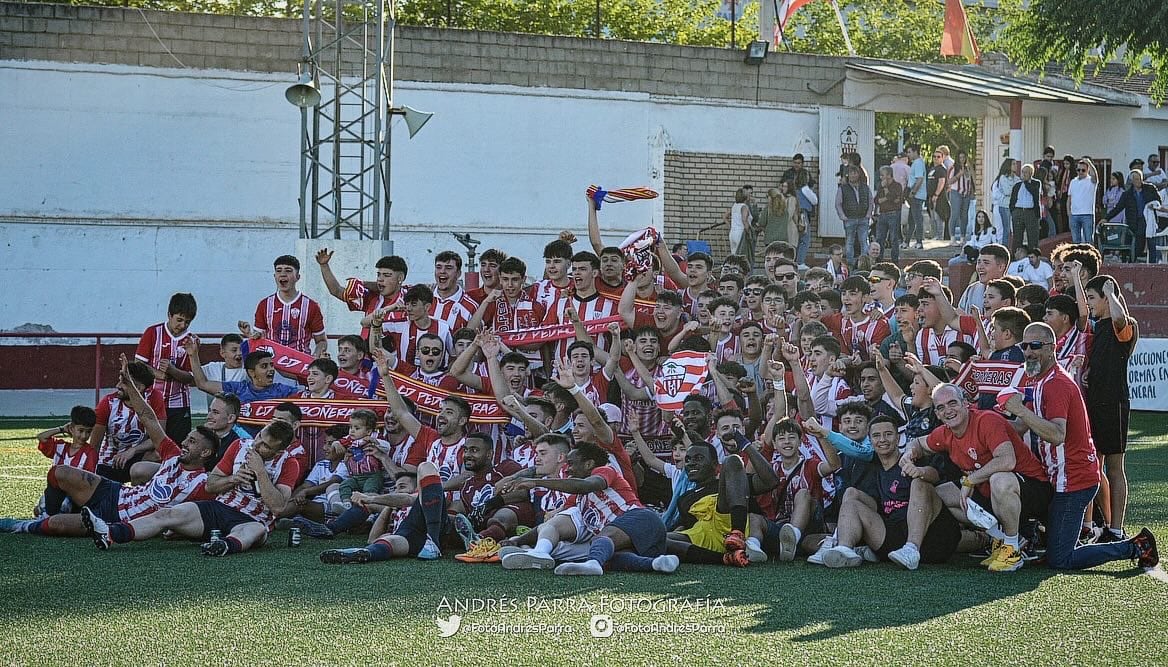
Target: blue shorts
x=645, y=528
x=105, y=499
x=217, y=516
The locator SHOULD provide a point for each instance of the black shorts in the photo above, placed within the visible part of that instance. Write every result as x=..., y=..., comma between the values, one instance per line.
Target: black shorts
x=645, y=528
x=105, y=499
x=119, y=474
x=217, y=516
x=1109, y=426
x=178, y=424
x=413, y=527
x=1035, y=495
x=940, y=543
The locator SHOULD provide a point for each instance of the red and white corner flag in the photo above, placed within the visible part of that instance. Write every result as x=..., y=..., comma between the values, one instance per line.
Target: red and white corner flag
x=682, y=374
x=958, y=39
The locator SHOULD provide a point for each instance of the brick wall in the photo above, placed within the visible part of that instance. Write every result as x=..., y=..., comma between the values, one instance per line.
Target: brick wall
x=699, y=189
x=67, y=33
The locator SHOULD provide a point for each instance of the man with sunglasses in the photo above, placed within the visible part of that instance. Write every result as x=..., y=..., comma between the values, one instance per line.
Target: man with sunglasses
x=1154, y=174
x=1081, y=192
x=1056, y=426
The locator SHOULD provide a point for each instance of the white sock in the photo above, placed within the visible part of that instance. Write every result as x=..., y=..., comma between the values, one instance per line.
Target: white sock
x=799, y=535
x=544, y=547
x=910, y=546
x=1013, y=540
x=996, y=533
x=1118, y=532
x=753, y=543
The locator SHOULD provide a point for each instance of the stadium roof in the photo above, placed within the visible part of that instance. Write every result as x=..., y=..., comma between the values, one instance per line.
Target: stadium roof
x=981, y=82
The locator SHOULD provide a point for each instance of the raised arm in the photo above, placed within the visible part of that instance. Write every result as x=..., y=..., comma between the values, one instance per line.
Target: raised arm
x=404, y=417
x=191, y=346
x=476, y=320
x=600, y=427
x=669, y=264
x=141, y=407
x=323, y=256
x=651, y=460
x=534, y=427
x=832, y=459
x=627, y=306
x=594, y=227
x=802, y=390
x=891, y=386
x=460, y=368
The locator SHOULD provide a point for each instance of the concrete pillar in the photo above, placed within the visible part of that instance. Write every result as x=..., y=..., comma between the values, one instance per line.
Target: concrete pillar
x=351, y=259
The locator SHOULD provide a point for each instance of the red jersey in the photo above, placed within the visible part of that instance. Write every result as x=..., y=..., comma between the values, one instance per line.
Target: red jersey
x=171, y=484
x=122, y=428
x=429, y=448
x=547, y=293
x=931, y=349
x=600, y=508
x=727, y=348
x=587, y=309
x=689, y=303
x=984, y=433
x=1074, y=343
x=282, y=470
x=405, y=335
x=855, y=337
x=610, y=291
x=361, y=299
x=156, y=344
x=295, y=323
x=804, y=476
x=525, y=313
x=1072, y=464
x=57, y=449
x=477, y=490
x=652, y=423
x=455, y=310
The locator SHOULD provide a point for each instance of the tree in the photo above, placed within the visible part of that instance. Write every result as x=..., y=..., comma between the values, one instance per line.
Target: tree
x=1083, y=34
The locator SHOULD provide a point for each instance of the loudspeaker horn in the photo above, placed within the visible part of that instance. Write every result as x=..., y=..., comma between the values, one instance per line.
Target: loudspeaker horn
x=303, y=93
x=415, y=119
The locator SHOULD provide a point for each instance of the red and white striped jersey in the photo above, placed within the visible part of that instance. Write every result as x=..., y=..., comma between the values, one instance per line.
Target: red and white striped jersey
x=429, y=448
x=588, y=309
x=650, y=416
x=1073, y=464
x=525, y=313
x=600, y=508
x=57, y=449
x=826, y=393
x=364, y=300
x=689, y=303
x=455, y=310
x=400, y=452
x=406, y=334
x=171, y=484
x=523, y=454
x=282, y=470
x=156, y=344
x=547, y=293
x=932, y=348
x=122, y=428
x=727, y=348
x=548, y=500
x=294, y=323
x=857, y=337
x=1074, y=343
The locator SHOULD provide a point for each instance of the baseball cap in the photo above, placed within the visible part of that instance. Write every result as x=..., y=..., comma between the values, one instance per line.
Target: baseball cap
x=612, y=414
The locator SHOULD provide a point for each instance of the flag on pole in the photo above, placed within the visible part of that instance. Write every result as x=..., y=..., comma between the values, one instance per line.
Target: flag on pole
x=787, y=9
x=600, y=195
x=958, y=39
x=682, y=374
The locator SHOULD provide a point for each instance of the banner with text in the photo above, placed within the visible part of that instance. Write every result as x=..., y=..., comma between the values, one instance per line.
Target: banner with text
x=1147, y=375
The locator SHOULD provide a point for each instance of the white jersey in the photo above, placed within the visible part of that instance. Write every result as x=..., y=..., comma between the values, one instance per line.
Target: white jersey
x=282, y=470
x=171, y=484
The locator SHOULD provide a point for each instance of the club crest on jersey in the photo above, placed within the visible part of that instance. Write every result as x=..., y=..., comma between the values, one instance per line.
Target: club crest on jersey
x=972, y=453
x=161, y=492
x=672, y=377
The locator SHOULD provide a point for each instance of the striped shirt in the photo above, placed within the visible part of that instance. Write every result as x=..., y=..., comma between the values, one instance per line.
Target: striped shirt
x=547, y=293
x=156, y=344
x=57, y=449
x=455, y=310
x=122, y=428
x=406, y=334
x=294, y=323
x=282, y=470
x=361, y=299
x=1074, y=343
x=171, y=484
x=1073, y=464
x=588, y=309
x=600, y=508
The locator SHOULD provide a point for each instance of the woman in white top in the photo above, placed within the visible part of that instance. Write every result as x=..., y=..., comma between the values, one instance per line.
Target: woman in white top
x=740, y=220
x=1000, y=191
x=984, y=234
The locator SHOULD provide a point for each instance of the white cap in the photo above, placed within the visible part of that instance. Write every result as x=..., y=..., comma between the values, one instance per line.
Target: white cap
x=612, y=414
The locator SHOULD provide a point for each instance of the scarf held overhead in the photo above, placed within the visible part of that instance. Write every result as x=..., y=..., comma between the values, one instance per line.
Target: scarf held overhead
x=682, y=374
x=295, y=363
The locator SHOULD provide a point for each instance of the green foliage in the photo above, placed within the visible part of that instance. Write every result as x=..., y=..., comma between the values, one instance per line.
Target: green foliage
x=1084, y=34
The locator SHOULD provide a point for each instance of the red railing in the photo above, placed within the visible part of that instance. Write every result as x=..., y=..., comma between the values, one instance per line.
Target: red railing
x=210, y=342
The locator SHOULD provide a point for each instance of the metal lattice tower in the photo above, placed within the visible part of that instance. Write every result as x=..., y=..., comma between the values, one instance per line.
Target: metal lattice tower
x=344, y=144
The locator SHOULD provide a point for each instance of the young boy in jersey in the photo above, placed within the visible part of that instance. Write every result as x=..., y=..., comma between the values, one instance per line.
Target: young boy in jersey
x=161, y=347
x=288, y=316
x=722, y=339
x=557, y=262
x=798, y=498
x=366, y=474
x=855, y=328
x=319, y=493
x=74, y=451
x=319, y=381
x=118, y=437
x=230, y=369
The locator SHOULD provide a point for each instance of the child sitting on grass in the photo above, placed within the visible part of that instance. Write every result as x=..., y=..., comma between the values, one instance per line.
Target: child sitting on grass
x=75, y=452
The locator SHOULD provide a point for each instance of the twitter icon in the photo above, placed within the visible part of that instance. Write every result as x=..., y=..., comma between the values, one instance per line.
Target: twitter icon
x=448, y=626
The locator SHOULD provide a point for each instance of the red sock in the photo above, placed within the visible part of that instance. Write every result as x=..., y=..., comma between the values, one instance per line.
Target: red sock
x=494, y=531
x=52, y=477
x=49, y=526
x=429, y=479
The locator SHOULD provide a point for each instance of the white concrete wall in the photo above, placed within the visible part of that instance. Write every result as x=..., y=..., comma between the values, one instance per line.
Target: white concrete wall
x=135, y=179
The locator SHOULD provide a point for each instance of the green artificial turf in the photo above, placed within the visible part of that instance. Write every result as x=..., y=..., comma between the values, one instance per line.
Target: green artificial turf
x=64, y=602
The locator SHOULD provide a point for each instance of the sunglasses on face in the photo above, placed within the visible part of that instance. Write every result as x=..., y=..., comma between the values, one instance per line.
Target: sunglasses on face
x=786, y=276
x=430, y=350
x=877, y=279
x=753, y=291
x=1034, y=345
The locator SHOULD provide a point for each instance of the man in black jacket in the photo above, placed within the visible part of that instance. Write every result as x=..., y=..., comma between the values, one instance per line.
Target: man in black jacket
x=1132, y=202
x=1025, y=202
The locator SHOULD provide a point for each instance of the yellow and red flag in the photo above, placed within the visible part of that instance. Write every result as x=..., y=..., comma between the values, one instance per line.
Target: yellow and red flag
x=958, y=39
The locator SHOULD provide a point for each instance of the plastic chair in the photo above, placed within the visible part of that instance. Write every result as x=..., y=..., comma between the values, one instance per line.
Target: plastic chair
x=1116, y=238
